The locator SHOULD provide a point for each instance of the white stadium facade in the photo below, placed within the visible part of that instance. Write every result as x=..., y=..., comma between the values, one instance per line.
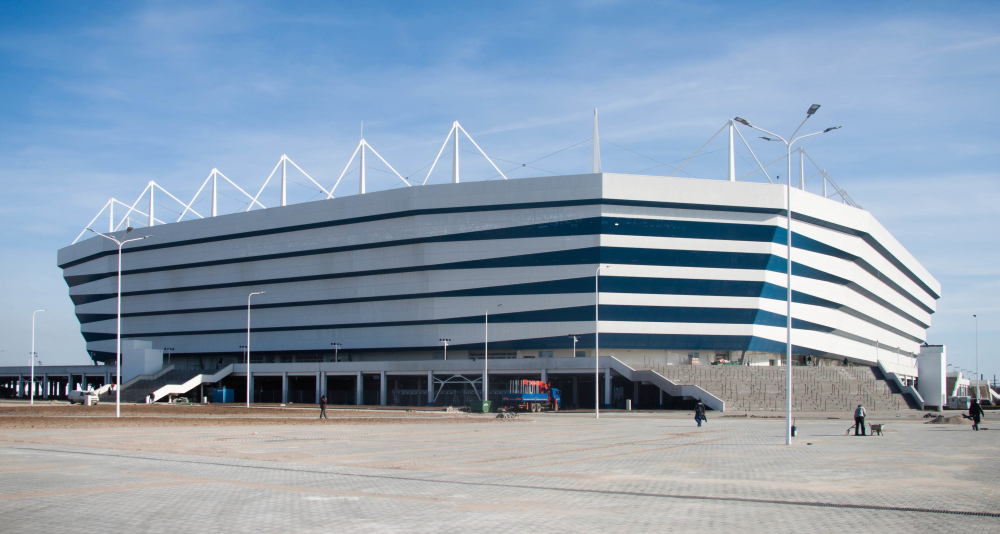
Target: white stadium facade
x=388, y=297
x=690, y=266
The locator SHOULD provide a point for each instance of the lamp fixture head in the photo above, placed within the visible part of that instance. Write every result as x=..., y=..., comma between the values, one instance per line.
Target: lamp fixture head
x=742, y=121
x=812, y=109
x=830, y=129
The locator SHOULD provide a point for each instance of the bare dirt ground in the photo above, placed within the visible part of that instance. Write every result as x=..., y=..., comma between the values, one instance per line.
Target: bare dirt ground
x=61, y=415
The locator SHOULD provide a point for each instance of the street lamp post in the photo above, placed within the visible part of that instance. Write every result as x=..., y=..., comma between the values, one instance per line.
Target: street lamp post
x=31, y=388
x=118, y=379
x=486, y=357
x=169, y=351
x=576, y=338
x=248, y=343
x=788, y=200
x=336, y=351
x=445, y=341
x=597, y=345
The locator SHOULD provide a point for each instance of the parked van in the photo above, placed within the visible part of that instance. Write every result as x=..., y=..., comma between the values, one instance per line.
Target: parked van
x=88, y=397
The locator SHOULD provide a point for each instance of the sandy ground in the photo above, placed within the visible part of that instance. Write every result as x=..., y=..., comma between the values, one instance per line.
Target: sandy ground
x=62, y=415
x=59, y=414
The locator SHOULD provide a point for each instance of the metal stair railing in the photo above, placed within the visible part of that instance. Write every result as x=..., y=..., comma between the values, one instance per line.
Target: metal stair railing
x=193, y=382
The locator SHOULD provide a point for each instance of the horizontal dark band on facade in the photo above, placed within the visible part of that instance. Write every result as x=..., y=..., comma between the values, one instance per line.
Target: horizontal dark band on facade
x=620, y=341
x=591, y=226
x=580, y=256
x=576, y=227
x=802, y=242
x=518, y=206
x=608, y=283
x=872, y=242
x=591, y=255
x=430, y=211
x=638, y=314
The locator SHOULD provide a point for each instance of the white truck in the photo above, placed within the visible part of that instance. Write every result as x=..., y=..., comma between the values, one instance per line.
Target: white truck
x=88, y=397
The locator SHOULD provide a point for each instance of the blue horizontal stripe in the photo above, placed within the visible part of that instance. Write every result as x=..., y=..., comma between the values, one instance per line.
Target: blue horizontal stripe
x=872, y=242
x=577, y=227
x=425, y=212
x=878, y=247
x=588, y=226
x=609, y=284
x=653, y=314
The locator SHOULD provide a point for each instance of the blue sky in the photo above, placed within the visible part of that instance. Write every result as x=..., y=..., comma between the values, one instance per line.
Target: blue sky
x=98, y=98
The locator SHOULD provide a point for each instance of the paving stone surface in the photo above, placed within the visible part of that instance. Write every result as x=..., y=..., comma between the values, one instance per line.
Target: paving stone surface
x=540, y=473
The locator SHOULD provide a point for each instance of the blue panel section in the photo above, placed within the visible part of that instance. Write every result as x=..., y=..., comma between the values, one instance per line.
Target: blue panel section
x=638, y=314
x=876, y=246
x=575, y=227
x=608, y=283
x=587, y=226
x=702, y=230
x=582, y=256
x=664, y=314
x=424, y=212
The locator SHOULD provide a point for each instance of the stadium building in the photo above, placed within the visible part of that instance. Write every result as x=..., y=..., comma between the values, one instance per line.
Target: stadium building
x=400, y=296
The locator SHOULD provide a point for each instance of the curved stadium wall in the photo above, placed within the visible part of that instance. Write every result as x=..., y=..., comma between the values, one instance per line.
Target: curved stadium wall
x=695, y=267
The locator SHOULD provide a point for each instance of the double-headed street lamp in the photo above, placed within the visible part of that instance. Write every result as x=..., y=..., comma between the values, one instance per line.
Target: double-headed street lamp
x=788, y=349
x=118, y=379
x=336, y=351
x=445, y=341
x=248, y=343
x=32, y=388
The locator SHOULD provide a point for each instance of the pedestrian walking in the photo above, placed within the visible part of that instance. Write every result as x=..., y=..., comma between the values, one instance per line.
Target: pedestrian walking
x=859, y=420
x=699, y=414
x=976, y=413
x=322, y=407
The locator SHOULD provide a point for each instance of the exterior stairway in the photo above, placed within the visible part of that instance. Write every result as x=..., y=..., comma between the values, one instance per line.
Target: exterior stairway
x=819, y=389
x=166, y=382
x=140, y=389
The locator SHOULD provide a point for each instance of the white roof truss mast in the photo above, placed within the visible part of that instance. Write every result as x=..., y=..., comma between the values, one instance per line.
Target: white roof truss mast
x=455, y=128
x=761, y=168
x=829, y=187
x=254, y=200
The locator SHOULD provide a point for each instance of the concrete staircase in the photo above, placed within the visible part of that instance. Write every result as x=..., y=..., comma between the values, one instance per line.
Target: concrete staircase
x=819, y=389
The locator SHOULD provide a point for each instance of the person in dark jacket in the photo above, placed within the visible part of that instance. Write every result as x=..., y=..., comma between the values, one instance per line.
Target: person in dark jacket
x=322, y=407
x=699, y=414
x=976, y=413
x=859, y=420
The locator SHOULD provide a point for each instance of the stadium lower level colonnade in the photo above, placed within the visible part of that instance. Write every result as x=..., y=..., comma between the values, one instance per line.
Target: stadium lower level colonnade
x=459, y=382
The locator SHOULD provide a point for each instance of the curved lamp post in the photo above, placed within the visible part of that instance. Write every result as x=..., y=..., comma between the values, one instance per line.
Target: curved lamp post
x=788, y=347
x=118, y=379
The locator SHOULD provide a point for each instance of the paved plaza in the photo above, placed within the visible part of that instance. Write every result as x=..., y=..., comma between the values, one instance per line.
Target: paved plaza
x=566, y=472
